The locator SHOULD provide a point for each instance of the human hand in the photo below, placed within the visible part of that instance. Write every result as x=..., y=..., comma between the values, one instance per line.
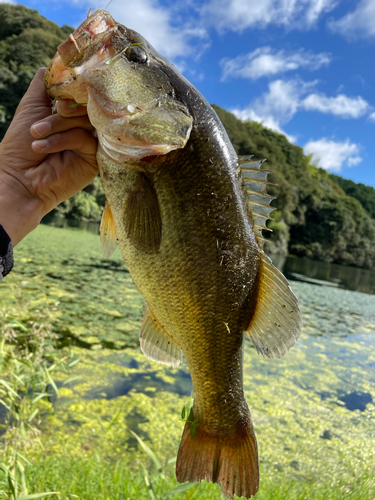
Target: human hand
x=44, y=159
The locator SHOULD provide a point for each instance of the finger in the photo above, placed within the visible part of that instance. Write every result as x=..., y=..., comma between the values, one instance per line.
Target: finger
x=55, y=123
x=68, y=108
x=75, y=139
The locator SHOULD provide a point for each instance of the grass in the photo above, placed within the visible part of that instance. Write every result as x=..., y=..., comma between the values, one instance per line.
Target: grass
x=102, y=481
x=27, y=362
x=311, y=445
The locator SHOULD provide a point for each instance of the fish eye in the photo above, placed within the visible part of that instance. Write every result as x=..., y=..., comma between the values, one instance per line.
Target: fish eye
x=136, y=54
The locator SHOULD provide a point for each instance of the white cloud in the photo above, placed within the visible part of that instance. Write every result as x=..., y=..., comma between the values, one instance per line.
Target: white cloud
x=285, y=98
x=359, y=23
x=332, y=155
x=159, y=24
x=155, y=22
x=354, y=161
x=341, y=105
x=277, y=106
x=238, y=15
x=280, y=102
x=265, y=62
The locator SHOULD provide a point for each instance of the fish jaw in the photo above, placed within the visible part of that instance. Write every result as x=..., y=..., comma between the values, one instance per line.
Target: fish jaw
x=135, y=113
x=126, y=133
x=65, y=67
x=130, y=151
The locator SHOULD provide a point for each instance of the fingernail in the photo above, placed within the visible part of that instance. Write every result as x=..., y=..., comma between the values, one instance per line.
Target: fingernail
x=41, y=128
x=40, y=144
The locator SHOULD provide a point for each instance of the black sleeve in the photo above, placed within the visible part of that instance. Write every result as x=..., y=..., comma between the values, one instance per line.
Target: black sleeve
x=6, y=253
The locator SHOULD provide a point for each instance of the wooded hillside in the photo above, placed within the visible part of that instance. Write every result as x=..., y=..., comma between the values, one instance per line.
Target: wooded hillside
x=27, y=42
x=319, y=215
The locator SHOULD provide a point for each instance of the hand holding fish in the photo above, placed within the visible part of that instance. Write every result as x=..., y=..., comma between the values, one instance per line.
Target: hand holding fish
x=44, y=159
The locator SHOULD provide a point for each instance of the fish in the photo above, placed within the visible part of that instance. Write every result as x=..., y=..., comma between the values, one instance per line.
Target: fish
x=187, y=214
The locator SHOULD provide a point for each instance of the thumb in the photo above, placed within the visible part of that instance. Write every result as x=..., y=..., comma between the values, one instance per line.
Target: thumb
x=36, y=96
x=36, y=87
x=34, y=106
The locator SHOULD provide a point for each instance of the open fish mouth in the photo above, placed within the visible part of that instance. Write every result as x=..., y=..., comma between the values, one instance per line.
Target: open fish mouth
x=87, y=47
x=109, y=68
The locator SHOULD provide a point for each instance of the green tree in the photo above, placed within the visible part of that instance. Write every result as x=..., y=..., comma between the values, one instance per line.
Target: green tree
x=364, y=194
x=315, y=218
x=27, y=42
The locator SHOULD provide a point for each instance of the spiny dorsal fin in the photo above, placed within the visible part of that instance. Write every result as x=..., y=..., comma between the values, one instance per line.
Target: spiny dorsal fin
x=255, y=183
x=156, y=344
x=276, y=321
x=107, y=232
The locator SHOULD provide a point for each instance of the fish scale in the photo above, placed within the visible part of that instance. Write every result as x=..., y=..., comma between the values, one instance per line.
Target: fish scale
x=187, y=215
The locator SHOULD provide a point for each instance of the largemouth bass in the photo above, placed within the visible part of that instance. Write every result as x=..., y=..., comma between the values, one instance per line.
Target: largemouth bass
x=188, y=215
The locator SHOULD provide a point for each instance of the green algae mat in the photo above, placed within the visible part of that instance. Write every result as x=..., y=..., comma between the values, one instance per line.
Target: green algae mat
x=313, y=410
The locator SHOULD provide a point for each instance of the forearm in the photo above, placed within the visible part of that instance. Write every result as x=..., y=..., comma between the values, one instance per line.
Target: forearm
x=19, y=214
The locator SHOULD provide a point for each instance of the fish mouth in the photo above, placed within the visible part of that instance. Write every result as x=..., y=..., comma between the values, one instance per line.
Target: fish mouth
x=98, y=28
x=89, y=41
x=117, y=141
x=126, y=130
x=123, y=149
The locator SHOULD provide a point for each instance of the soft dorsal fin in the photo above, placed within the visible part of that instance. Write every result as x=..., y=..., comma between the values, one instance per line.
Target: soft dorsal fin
x=255, y=182
x=107, y=232
x=142, y=216
x=276, y=320
x=156, y=344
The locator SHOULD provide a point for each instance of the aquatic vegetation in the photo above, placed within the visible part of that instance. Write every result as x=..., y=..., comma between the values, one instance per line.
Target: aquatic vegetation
x=188, y=416
x=313, y=443
x=61, y=277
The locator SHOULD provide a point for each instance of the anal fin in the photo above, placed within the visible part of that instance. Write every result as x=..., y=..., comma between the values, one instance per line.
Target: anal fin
x=276, y=320
x=107, y=232
x=156, y=344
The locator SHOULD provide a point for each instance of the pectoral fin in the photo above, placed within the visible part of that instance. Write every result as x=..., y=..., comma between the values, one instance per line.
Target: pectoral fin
x=276, y=320
x=142, y=216
x=156, y=344
x=107, y=232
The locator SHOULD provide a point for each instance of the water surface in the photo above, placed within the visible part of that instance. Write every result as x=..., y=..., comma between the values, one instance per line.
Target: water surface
x=313, y=410
x=294, y=268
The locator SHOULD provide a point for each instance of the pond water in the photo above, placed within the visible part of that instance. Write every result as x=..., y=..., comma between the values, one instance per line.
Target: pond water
x=313, y=410
x=294, y=268
x=62, y=222
x=323, y=273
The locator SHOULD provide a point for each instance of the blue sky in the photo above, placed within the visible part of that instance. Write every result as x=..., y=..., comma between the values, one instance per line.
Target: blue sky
x=302, y=67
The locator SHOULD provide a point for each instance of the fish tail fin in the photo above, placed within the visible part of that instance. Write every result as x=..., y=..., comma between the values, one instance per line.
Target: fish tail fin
x=231, y=460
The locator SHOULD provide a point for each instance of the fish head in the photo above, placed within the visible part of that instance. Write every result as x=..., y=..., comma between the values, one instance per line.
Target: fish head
x=119, y=75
